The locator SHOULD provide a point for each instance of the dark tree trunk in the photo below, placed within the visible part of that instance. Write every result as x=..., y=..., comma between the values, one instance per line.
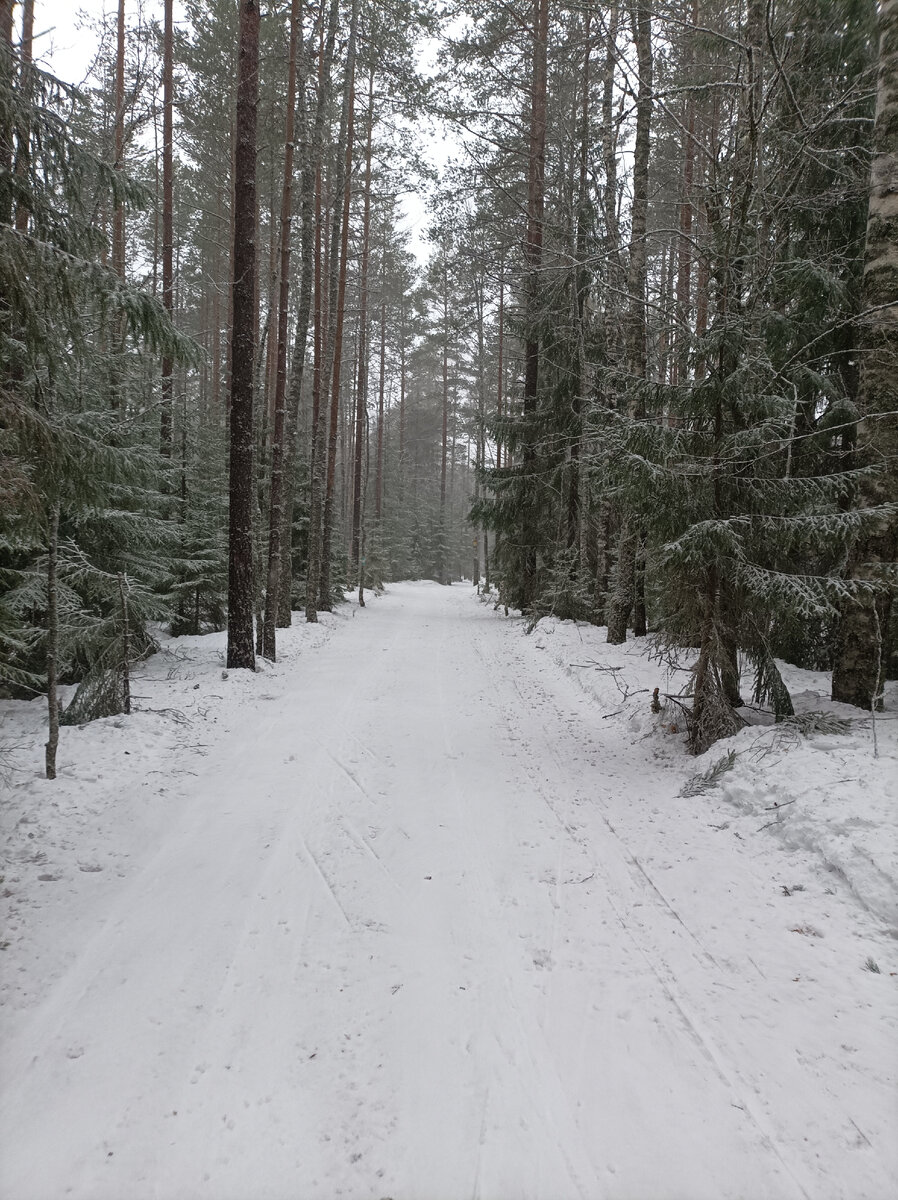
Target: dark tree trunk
x=52, y=643
x=361, y=400
x=379, y=465
x=6, y=129
x=319, y=379
x=533, y=248
x=243, y=338
x=342, y=218
x=23, y=138
x=862, y=649
x=620, y=604
x=167, y=221
x=276, y=493
x=118, y=216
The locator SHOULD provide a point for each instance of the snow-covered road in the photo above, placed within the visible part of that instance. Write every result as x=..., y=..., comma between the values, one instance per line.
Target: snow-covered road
x=427, y=927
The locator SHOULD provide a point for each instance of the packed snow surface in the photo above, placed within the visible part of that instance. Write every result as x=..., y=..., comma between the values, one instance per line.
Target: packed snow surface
x=420, y=912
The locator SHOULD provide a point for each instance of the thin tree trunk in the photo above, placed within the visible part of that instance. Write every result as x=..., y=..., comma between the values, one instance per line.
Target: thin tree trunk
x=118, y=215
x=620, y=604
x=361, y=408
x=276, y=497
x=52, y=643
x=23, y=139
x=533, y=248
x=342, y=221
x=240, y=531
x=576, y=514
x=379, y=464
x=167, y=220
x=323, y=293
x=684, y=245
x=444, y=445
x=6, y=127
x=126, y=645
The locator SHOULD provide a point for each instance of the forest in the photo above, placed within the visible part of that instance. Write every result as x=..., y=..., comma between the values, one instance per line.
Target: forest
x=639, y=370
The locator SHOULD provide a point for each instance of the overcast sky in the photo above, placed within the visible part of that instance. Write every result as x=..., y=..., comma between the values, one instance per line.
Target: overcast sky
x=66, y=46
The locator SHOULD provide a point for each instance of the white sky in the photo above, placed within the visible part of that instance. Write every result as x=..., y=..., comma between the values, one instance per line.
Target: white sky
x=65, y=45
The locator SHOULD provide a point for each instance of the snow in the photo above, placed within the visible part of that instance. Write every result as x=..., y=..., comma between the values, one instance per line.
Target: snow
x=419, y=912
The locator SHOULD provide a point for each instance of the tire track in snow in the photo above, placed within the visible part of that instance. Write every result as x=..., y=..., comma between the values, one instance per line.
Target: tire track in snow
x=547, y=1085
x=694, y=1025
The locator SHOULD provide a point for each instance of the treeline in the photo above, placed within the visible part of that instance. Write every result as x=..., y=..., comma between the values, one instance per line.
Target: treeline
x=654, y=343
x=226, y=389
x=694, y=283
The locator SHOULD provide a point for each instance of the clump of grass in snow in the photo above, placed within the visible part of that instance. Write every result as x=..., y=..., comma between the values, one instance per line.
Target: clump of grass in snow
x=699, y=784
x=872, y=965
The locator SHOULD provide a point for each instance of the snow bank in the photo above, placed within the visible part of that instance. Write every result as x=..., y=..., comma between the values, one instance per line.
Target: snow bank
x=831, y=792
x=77, y=832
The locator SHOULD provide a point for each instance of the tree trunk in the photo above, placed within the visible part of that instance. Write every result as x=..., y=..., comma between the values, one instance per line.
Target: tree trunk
x=276, y=491
x=118, y=216
x=52, y=643
x=23, y=138
x=243, y=338
x=379, y=465
x=863, y=645
x=342, y=220
x=167, y=221
x=319, y=382
x=533, y=247
x=6, y=129
x=444, y=441
x=361, y=404
x=620, y=604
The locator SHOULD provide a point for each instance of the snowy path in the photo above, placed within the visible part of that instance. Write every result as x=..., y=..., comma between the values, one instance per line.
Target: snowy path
x=429, y=929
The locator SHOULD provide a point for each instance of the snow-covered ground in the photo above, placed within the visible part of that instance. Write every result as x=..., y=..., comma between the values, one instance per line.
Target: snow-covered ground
x=426, y=911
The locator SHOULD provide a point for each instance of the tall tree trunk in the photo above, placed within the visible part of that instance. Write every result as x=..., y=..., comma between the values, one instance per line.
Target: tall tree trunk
x=6, y=125
x=609, y=154
x=379, y=464
x=863, y=644
x=620, y=604
x=444, y=443
x=533, y=250
x=167, y=220
x=575, y=513
x=684, y=245
x=118, y=215
x=243, y=344
x=23, y=139
x=361, y=405
x=319, y=388
x=402, y=390
x=276, y=491
x=341, y=221
x=52, y=642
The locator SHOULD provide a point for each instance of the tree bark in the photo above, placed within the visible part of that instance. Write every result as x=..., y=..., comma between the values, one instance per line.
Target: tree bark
x=240, y=527
x=361, y=402
x=118, y=215
x=620, y=604
x=167, y=220
x=52, y=643
x=863, y=644
x=347, y=123
x=23, y=138
x=276, y=491
x=319, y=370
x=533, y=248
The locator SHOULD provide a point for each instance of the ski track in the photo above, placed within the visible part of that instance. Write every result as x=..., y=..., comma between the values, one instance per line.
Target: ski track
x=429, y=929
